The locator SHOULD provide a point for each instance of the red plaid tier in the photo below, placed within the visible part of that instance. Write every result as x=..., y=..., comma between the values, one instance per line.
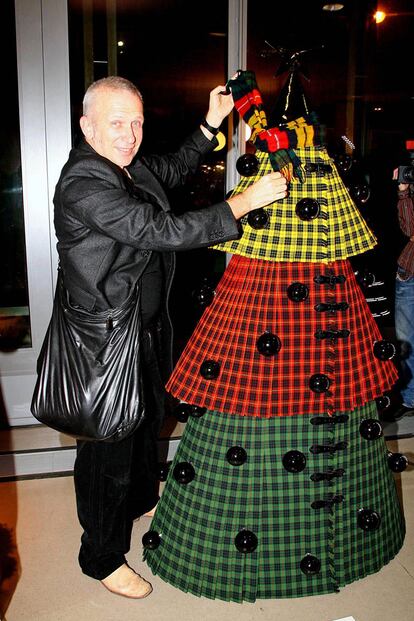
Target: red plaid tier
x=326, y=341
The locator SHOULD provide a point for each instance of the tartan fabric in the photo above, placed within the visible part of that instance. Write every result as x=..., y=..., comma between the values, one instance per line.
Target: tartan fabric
x=278, y=142
x=298, y=133
x=199, y=521
x=248, y=101
x=337, y=233
x=250, y=299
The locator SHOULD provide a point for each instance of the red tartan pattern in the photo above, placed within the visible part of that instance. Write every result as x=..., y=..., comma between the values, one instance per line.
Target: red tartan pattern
x=250, y=299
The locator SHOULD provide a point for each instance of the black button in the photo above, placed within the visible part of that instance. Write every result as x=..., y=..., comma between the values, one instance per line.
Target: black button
x=247, y=165
x=307, y=209
x=204, y=295
x=368, y=519
x=151, y=540
x=297, y=292
x=182, y=412
x=294, y=461
x=246, y=541
x=258, y=219
x=268, y=344
x=184, y=473
x=319, y=383
x=310, y=565
x=397, y=462
x=236, y=456
x=384, y=350
x=210, y=369
x=370, y=429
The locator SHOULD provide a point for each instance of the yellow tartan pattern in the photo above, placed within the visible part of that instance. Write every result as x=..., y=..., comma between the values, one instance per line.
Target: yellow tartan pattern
x=304, y=132
x=257, y=123
x=337, y=233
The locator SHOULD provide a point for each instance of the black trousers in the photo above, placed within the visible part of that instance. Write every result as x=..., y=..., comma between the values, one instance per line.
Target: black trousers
x=116, y=482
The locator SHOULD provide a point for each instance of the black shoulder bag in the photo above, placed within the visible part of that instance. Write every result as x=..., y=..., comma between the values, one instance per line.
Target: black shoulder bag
x=89, y=380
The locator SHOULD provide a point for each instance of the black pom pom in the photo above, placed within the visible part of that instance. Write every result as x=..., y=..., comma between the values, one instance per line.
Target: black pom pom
x=182, y=412
x=370, y=429
x=236, y=456
x=368, y=519
x=343, y=162
x=384, y=350
x=210, y=369
x=247, y=165
x=310, y=565
x=307, y=209
x=297, y=292
x=258, y=219
x=183, y=473
x=151, y=540
x=360, y=192
x=365, y=278
x=319, y=383
x=268, y=344
x=397, y=462
x=383, y=402
x=246, y=541
x=204, y=295
x=294, y=461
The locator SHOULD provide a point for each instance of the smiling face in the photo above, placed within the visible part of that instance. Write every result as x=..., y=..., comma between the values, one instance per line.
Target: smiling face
x=113, y=124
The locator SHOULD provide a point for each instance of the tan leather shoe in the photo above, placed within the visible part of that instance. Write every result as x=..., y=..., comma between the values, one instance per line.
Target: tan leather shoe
x=126, y=582
x=150, y=513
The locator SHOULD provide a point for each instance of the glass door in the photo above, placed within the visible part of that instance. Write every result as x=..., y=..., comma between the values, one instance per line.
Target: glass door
x=34, y=144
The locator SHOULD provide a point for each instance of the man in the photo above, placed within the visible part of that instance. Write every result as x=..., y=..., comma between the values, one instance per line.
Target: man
x=115, y=229
x=404, y=301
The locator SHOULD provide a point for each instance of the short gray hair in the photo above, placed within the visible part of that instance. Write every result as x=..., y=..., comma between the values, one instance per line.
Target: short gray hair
x=113, y=82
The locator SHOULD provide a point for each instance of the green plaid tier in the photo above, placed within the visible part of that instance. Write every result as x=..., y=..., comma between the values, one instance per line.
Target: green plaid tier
x=198, y=521
x=337, y=233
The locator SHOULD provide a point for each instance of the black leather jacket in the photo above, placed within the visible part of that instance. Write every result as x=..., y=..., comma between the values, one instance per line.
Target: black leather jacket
x=107, y=226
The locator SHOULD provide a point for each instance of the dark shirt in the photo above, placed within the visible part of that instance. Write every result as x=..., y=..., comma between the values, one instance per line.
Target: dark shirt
x=152, y=290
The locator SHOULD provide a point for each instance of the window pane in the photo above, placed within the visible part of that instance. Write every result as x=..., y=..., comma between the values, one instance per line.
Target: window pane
x=175, y=67
x=14, y=300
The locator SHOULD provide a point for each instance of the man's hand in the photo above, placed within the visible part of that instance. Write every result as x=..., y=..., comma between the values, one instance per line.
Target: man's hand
x=266, y=190
x=220, y=106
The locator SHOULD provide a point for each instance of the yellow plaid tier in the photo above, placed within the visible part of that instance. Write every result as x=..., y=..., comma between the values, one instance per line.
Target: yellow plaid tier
x=337, y=233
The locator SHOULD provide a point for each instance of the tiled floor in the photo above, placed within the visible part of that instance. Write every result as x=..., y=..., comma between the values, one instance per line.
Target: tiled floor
x=45, y=584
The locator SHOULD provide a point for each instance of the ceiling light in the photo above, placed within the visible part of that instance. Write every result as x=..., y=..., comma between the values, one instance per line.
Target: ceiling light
x=379, y=16
x=333, y=6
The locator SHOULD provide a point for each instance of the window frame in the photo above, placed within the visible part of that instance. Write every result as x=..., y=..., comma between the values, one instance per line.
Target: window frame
x=45, y=139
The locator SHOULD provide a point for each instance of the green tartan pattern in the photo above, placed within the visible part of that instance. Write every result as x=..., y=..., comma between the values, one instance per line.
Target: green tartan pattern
x=198, y=521
x=337, y=233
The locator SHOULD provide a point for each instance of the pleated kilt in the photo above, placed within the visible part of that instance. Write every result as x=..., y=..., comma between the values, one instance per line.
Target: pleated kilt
x=337, y=233
x=198, y=521
x=252, y=300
